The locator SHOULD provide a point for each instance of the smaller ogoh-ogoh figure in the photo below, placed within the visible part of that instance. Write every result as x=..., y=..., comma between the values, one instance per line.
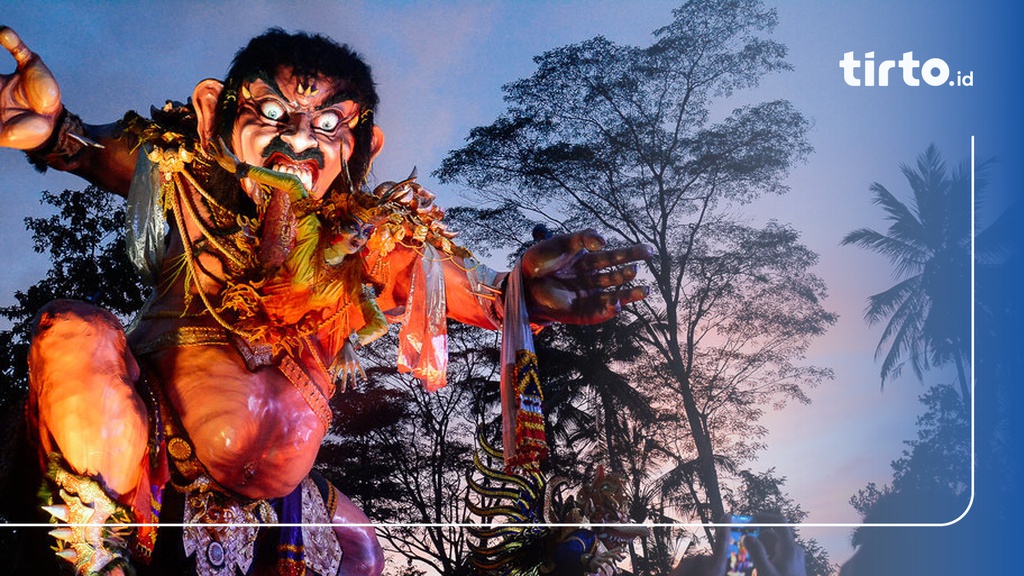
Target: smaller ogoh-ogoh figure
x=212, y=408
x=316, y=266
x=591, y=539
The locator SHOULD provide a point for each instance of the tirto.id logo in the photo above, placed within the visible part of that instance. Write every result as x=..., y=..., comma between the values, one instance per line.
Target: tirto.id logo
x=934, y=71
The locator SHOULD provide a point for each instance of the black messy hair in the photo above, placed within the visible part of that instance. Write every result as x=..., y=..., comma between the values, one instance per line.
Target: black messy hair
x=308, y=55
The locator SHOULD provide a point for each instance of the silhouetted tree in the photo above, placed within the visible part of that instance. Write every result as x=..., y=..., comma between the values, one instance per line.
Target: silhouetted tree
x=621, y=138
x=932, y=483
x=403, y=453
x=938, y=461
x=761, y=493
x=84, y=241
x=927, y=312
x=957, y=462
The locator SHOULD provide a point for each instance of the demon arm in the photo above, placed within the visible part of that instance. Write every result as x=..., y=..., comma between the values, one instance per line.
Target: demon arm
x=570, y=278
x=33, y=119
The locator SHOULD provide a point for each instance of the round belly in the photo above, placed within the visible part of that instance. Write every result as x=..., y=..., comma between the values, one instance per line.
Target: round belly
x=252, y=430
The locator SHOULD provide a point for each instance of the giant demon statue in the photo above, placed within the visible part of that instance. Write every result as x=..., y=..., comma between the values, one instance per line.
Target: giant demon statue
x=270, y=262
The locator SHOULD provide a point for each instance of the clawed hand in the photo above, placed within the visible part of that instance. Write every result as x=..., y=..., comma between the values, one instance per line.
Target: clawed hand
x=573, y=279
x=29, y=97
x=604, y=563
x=347, y=368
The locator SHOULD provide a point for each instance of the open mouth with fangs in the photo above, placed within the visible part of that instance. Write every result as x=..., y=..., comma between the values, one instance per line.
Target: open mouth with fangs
x=623, y=533
x=307, y=171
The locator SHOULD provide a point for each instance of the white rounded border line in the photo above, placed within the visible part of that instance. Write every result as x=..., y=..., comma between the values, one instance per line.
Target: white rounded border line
x=464, y=525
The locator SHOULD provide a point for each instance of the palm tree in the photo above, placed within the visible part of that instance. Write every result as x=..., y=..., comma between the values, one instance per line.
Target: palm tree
x=928, y=243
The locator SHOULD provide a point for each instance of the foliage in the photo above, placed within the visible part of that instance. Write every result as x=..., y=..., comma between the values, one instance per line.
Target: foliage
x=937, y=462
x=957, y=462
x=84, y=241
x=886, y=550
x=598, y=417
x=762, y=493
x=931, y=484
x=403, y=453
x=627, y=140
x=927, y=311
x=940, y=458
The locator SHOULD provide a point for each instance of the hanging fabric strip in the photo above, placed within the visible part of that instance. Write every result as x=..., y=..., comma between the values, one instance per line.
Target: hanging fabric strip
x=291, y=546
x=523, y=436
x=144, y=212
x=423, y=338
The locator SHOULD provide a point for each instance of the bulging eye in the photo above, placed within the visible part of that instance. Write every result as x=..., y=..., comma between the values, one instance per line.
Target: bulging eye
x=327, y=121
x=272, y=110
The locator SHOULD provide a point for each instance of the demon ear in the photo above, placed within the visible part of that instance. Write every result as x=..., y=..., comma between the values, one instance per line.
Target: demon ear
x=377, y=143
x=204, y=99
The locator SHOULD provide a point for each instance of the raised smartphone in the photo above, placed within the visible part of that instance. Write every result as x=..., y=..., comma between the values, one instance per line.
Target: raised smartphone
x=739, y=563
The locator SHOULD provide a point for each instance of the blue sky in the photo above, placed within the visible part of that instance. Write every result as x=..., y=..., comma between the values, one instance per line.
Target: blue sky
x=440, y=67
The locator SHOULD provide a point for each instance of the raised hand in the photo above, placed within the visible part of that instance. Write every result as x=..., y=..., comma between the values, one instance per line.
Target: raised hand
x=778, y=556
x=573, y=279
x=29, y=98
x=774, y=553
